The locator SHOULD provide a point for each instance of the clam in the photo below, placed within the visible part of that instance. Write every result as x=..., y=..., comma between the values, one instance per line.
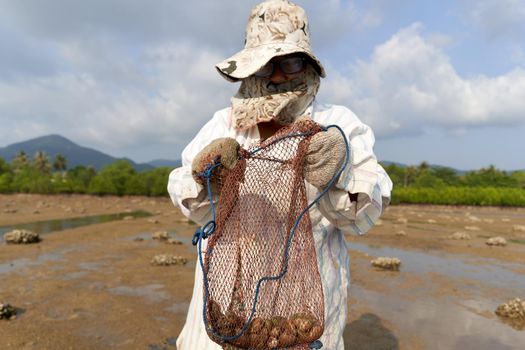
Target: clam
x=273, y=342
x=289, y=326
x=287, y=339
x=275, y=332
x=313, y=334
x=277, y=321
x=258, y=341
x=303, y=324
x=256, y=325
x=214, y=310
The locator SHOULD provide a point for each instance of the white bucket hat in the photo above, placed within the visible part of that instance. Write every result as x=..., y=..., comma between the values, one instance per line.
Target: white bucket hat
x=275, y=28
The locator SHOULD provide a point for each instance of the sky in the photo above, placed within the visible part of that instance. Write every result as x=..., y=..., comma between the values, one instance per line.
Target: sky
x=438, y=81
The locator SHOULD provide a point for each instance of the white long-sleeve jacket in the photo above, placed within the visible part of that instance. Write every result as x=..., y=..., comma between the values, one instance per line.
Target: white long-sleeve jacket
x=334, y=215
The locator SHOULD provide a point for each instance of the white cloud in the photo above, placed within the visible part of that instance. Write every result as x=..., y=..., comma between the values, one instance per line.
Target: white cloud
x=409, y=84
x=219, y=24
x=131, y=21
x=126, y=72
x=121, y=73
x=181, y=90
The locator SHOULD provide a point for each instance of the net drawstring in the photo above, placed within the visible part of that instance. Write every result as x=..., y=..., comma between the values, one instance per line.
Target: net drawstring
x=209, y=228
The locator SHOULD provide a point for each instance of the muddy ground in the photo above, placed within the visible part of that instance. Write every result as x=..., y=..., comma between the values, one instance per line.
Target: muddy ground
x=93, y=287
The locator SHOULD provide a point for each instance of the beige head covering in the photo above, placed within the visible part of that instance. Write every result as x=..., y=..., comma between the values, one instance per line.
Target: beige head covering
x=258, y=100
x=275, y=28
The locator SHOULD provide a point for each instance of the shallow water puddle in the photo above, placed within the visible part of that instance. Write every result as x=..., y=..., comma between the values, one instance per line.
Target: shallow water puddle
x=464, y=212
x=152, y=292
x=179, y=308
x=21, y=263
x=487, y=271
x=442, y=323
x=43, y=227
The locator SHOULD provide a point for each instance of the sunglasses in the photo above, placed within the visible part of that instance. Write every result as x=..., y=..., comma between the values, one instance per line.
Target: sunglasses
x=290, y=65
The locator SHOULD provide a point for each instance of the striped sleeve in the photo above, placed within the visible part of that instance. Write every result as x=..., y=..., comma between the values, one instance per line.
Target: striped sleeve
x=189, y=196
x=363, y=175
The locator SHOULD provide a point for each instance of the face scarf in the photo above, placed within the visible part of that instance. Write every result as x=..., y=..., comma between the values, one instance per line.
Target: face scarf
x=259, y=100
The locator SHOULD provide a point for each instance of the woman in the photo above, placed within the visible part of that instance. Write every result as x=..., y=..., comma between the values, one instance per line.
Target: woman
x=280, y=77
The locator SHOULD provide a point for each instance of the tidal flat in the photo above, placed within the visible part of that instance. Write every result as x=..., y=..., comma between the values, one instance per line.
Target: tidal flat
x=92, y=286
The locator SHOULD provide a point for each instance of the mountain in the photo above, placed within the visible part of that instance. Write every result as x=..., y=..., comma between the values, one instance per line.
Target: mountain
x=165, y=163
x=387, y=163
x=75, y=154
x=433, y=166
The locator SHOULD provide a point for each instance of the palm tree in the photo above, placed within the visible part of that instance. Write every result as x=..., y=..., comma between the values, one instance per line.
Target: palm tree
x=410, y=175
x=41, y=162
x=423, y=166
x=60, y=163
x=20, y=161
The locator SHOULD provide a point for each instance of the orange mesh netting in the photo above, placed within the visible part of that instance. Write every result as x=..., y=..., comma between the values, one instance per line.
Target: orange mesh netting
x=262, y=285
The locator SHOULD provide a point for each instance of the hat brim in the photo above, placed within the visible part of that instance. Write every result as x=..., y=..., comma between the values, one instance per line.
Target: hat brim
x=249, y=60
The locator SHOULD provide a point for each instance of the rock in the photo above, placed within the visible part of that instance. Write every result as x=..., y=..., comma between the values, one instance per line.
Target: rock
x=36, y=211
x=138, y=239
x=432, y=221
x=514, y=308
x=21, y=237
x=379, y=222
x=472, y=228
x=496, y=241
x=173, y=241
x=10, y=211
x=167, y=260
x=459, y=236
x=505, y=219
x=153, y=221
x=518, y=228
x=73, y=317
x=129, y=217
x=7, y=312
x=401, y=233
x=402, y=220
x=488, y=221
x=161, y=235
x=164, y=236
x=386, y=263
x=513, y=311
x=474, y=218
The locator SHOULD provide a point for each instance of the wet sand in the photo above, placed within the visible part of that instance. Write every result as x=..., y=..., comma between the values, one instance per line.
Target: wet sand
x=93, y=287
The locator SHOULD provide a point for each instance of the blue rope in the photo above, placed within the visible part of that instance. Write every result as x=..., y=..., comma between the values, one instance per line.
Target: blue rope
x=208, y=229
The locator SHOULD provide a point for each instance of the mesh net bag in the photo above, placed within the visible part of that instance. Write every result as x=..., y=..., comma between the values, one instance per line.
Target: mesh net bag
x=263, y=287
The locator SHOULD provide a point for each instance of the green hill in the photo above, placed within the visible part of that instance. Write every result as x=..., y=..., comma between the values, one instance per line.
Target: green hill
x=75, y=154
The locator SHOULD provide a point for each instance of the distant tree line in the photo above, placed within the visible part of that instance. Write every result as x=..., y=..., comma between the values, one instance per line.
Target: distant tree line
x=39, y=174
x=412, y=184
x=441, y=185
